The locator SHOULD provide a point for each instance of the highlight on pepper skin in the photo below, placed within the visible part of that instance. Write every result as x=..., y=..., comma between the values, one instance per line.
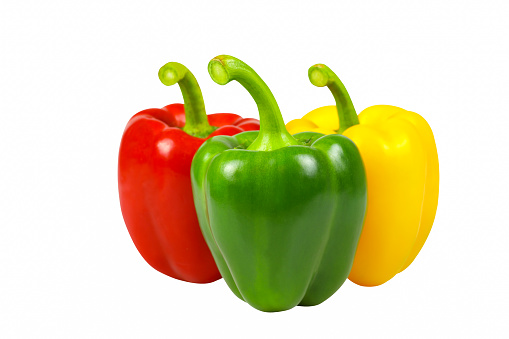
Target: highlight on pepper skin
x=400, y=156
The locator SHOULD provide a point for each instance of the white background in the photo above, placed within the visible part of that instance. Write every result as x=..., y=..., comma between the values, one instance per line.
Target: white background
x=72, y=73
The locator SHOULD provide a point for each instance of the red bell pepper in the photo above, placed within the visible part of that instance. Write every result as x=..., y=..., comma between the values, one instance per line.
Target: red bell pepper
x=154, y=182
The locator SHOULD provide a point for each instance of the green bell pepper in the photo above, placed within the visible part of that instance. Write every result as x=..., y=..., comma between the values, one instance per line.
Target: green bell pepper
x=281, y=215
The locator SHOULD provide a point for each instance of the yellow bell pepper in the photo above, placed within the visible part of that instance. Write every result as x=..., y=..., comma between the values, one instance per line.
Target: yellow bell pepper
x=401, y=161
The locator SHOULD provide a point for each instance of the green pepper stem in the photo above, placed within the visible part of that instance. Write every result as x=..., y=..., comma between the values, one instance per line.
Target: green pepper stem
x=273, y=133
x=321, y=75
x=196, y=119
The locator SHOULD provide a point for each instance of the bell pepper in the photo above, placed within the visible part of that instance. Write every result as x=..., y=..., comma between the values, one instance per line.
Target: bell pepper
x=154, y=178
x=282, y=215
x=400, y=156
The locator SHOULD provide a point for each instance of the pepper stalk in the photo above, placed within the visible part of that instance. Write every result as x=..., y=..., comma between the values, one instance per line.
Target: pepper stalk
x=320, y=76
x=273, y=134
x=197, y=123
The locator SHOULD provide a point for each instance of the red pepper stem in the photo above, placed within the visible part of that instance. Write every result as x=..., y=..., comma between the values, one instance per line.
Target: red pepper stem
x=196, y=118
x=321, y=75
x=273, y=133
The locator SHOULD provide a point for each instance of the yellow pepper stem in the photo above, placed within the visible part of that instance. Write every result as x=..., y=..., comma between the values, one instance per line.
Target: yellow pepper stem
x=320, y=76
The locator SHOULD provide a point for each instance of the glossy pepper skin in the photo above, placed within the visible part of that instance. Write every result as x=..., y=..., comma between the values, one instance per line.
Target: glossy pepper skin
x=401, y=161
x=282, y=215
x=154, y=179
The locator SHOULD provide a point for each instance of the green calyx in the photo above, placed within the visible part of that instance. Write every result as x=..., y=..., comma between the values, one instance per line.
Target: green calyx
x=273, y=134
x=320, y=76
x=197, y=124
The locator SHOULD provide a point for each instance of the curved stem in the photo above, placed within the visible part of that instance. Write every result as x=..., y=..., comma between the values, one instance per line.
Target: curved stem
x=321, y=75
x=273, y=133
x=196, y=119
